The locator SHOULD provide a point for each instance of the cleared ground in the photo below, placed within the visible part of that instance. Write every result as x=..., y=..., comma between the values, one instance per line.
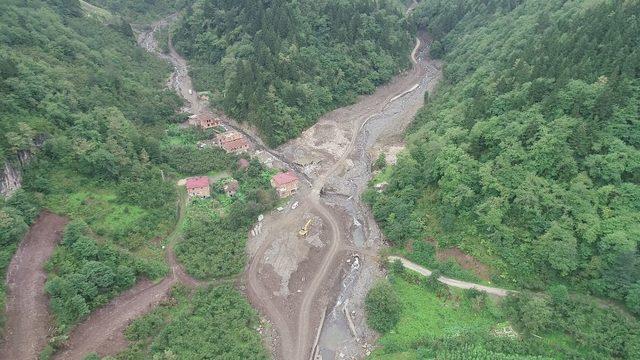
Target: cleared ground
x=28, y=319
x=296, y=290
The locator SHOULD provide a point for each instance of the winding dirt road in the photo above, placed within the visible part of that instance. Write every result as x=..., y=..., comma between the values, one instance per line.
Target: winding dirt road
x=103, y=331
x=449, y=281
x=297, y=328
x=28, y=320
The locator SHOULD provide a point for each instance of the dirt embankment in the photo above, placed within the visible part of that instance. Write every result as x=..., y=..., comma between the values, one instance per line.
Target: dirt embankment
x=28, y=319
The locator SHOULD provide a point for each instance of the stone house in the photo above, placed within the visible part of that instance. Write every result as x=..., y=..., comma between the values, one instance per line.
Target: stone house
x=207, y=121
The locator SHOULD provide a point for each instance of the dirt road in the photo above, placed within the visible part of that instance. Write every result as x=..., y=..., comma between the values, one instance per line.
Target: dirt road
x=451, y=282
x=291, y=280
x=334, y=155
x=28, y=320
x=102, y=331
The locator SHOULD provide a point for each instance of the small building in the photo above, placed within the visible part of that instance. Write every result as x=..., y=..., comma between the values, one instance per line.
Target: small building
x=198, y=186
x=232, y=141
x=285, y=183
x=231, y=187
x=243, y=164
x=207, y=120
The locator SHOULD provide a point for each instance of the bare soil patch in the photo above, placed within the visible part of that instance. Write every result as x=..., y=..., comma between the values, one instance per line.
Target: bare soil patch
x=466, y=261
x=28, y=319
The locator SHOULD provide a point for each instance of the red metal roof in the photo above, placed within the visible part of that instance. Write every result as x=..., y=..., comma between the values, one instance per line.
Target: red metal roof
x=284, y=178
x=197, y=182
x=228, y=136
x=235, y=144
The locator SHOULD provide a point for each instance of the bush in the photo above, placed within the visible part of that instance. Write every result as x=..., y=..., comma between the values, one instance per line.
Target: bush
x=380, y=163
x=423, y=253
x=633, y=298
x=382, y=307
x=211, y=323
x=84, y=274
x=397, y=268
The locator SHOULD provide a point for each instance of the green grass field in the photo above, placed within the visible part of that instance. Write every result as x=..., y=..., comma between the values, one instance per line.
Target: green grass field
x=426, y=315
x=110, y=218
x=459, y=326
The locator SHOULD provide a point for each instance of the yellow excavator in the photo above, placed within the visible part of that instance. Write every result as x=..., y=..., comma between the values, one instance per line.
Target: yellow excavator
x=305, y=230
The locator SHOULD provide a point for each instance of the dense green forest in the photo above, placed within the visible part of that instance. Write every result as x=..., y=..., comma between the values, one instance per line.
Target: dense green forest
x=145, y=10
x=281, y=64
x=59, y=68
x=528, y=156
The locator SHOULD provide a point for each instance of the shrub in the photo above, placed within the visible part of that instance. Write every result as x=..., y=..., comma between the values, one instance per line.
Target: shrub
x=383, y=307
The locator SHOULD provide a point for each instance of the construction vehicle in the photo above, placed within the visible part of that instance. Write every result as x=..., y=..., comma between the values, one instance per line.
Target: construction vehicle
x=305, y=230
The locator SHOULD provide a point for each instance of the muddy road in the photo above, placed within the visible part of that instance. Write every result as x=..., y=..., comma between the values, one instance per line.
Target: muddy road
x=28, y=320
x=103, y=331
x=301, y=285
x=336, y=153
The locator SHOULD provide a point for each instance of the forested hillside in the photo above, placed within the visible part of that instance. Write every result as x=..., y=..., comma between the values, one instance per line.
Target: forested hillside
x=141, y=10
x=57, y=65
x=92, y=99
x=529, y=155
x=84, y=99
x=91, y=106
x=281, y=64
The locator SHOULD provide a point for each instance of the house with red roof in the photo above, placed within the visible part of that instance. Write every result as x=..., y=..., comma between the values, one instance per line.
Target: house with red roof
x=285, y=183
x=207, y=120
x=232, y=141
x=198, y=186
